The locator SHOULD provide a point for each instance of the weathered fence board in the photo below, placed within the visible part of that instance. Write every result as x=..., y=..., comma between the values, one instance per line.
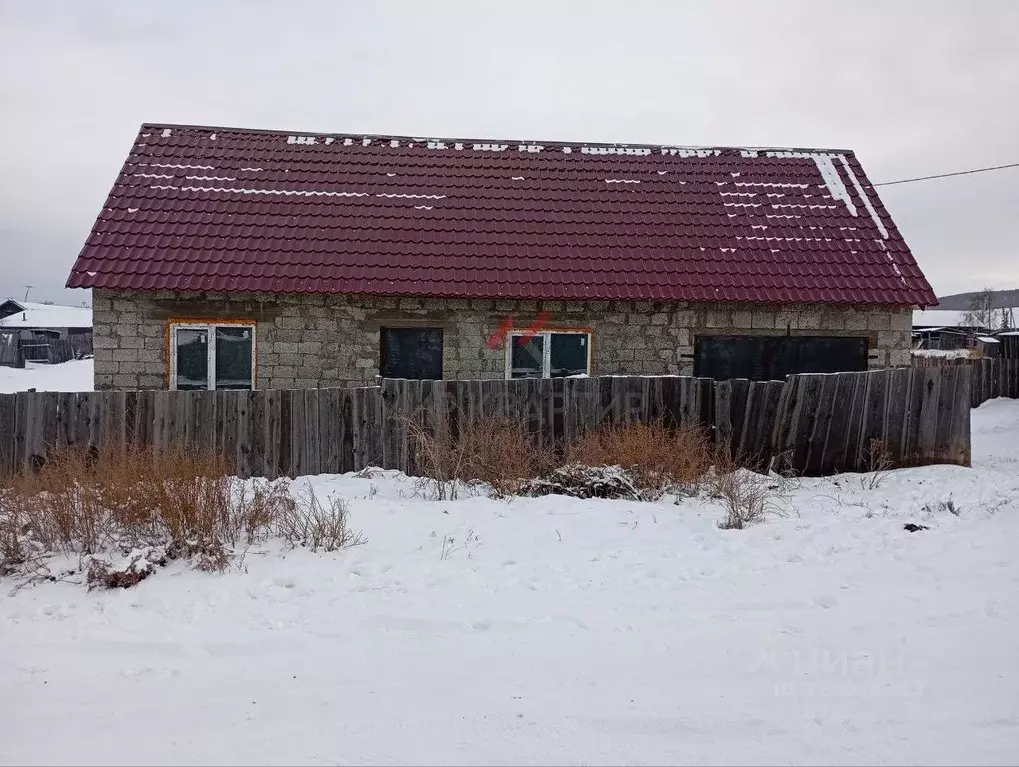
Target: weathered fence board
x=817, y=446
x=989, y=377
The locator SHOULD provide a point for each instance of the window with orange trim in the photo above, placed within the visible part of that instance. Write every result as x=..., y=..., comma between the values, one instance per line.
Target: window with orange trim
x=211, y=356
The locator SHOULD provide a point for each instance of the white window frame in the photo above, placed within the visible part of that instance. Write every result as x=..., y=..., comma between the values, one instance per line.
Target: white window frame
x=210, y=328
x=546, y=348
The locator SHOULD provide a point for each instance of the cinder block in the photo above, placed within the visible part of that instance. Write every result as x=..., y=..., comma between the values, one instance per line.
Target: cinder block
x=717, y=319
x=125, y=355
x=151, y=381
x=901, y=320
x=879, y=321
x=105, y=367
x=833, y=321
x=856, y=320
x=742, y=320
x=125, y=381
x=899, y=357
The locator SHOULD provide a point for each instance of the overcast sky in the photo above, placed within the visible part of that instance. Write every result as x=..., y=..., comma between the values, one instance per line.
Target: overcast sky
x=915, y=88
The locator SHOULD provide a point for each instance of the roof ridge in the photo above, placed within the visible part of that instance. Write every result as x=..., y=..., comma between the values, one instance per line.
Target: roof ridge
x=488, y=140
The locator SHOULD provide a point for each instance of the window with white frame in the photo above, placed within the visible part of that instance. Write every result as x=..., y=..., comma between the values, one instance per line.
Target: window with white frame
x=548, y=354
x=211, y=356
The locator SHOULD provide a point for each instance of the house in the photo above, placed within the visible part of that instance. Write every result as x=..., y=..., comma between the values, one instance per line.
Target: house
x=44, y=320
x=945, y=329
x=43, y=332
x=228, y=258
x=1009, y=341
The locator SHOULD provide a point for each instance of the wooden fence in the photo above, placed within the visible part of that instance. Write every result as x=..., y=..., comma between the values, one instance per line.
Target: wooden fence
x=48, y=350
x=16, y=347
x=809, y=424
x=989, y=377
x=268, y=433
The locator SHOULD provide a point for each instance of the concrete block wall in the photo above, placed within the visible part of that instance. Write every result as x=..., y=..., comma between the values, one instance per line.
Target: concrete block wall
x=305, y=341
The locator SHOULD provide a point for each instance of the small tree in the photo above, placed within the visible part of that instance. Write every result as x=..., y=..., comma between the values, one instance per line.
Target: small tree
x=1008, y=319
x=983, y=312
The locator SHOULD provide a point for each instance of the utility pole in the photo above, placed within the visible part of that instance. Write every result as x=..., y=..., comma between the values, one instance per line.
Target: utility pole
x=28, y=288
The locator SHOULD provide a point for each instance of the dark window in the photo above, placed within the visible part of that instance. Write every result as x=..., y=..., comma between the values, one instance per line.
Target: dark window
x=527, y=356
x=411, y=353
x=192, y=359
x=764, y=358
x=548, y=355
x=213, y=357
x=568, y=354
x=233, y=357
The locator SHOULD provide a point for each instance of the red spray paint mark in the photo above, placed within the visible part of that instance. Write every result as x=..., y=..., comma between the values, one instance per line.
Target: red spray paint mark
x=498, y=337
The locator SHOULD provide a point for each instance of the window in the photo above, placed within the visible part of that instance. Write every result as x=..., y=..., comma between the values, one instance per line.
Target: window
x=548, y=355
x=212, y=356
x=772, y=358
x=410, y=353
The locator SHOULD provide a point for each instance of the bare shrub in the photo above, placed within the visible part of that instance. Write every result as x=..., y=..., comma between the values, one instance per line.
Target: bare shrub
x=61, y=504
x=12, y=531
x=497, y=452
x=745, y=496
x=89, y=503
x=315, y=525
x=878, y=460
x=502, y=454
x=210, y=558
x=136, y=567
x=657, y=458
x=440, y=459
x=259, y=506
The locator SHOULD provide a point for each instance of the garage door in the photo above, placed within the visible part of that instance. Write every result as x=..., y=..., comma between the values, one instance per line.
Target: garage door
x=762, y=358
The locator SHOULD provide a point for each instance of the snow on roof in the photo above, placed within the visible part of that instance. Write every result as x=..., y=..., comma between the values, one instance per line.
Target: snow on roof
x=939, y=318
x=568, y=215
x=946, y=318
x=988, y=340
x=36, y=315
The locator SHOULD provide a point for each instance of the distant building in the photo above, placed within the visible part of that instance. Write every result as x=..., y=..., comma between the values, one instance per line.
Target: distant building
x=43, y=332
x=944, y=329
x=45, y=320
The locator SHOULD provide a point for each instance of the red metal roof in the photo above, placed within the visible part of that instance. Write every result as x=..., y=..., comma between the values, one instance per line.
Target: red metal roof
x=222, y=209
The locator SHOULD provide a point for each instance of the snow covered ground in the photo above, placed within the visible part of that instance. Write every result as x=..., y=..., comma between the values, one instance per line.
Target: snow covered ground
x=75, y=375
x=558, y=631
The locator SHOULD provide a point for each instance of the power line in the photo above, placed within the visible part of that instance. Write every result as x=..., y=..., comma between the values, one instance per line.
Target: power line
x=946, y=175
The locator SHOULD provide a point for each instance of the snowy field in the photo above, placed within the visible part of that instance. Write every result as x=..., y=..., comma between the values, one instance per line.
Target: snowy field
x=557, y=631
x=75, y=375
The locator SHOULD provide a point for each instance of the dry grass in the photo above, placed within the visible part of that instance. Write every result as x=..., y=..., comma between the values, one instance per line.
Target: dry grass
x=502, y=454
x=657, y=458
x=85, y=503
x=189, y=504
x=499, y=453
x=317, y=526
